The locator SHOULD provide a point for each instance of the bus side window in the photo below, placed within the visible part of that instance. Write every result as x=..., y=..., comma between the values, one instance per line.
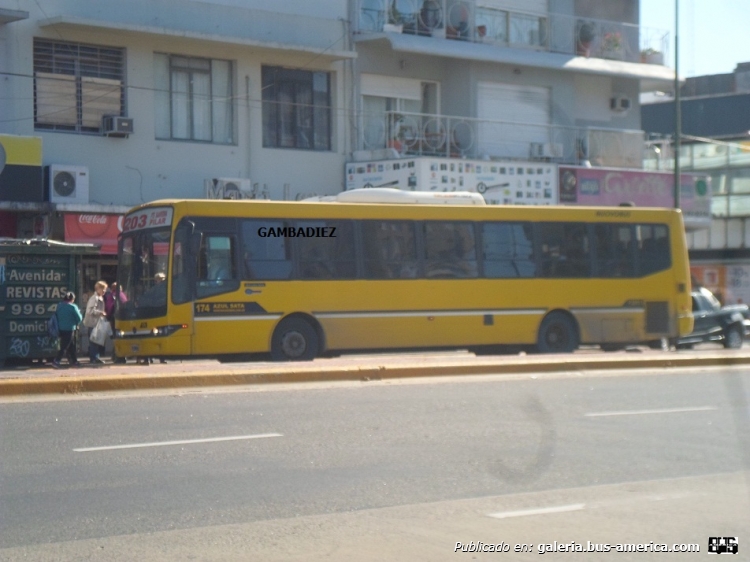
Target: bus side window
x=653, y=248
x=612, y=252
x=508, y=250
x=266, y=250
x=565, y=250
x=390, y=250
x=328, y=253
x=450, y=250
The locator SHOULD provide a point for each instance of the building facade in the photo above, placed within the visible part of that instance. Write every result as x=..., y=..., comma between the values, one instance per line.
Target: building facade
x=203, y=90
x=150, y=99
x=716, y=142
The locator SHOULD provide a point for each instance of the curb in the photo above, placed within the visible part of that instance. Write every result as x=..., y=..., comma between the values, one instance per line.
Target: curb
x=309, y=373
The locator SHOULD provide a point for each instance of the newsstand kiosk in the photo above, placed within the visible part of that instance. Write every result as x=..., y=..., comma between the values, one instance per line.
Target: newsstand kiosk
x=34, y=277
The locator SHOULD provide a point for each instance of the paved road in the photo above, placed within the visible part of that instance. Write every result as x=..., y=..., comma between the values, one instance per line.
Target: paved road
x=378, y=470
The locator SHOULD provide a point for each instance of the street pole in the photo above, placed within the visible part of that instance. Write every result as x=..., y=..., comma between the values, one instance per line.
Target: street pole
x=677, y=108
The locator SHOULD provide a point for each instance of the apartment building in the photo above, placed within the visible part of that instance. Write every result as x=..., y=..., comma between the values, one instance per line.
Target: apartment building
x=516, y=79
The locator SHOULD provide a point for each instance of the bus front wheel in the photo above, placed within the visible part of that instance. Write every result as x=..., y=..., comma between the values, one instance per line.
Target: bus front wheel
x=557, y=334
x=294, y=340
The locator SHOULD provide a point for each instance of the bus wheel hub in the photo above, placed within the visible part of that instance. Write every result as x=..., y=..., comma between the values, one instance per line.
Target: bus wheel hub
x=293, y=344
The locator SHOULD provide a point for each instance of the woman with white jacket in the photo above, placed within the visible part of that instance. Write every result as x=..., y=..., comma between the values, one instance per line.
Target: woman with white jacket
x=95, y=311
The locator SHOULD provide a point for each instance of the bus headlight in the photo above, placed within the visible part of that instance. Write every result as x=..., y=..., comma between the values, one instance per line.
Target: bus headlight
x=166, y=330
x=119, y=334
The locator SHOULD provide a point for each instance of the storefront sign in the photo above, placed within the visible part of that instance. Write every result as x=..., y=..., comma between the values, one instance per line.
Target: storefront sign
x=608, y=187
x=30, y=289
x=87, y=228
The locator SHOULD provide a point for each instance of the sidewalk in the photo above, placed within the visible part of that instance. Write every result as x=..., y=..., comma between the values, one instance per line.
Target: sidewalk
x=197, y=373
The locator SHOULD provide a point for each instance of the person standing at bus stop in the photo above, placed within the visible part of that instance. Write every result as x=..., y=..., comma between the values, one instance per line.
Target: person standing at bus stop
x=95, y=311
x=68, y=319
x=113, y=297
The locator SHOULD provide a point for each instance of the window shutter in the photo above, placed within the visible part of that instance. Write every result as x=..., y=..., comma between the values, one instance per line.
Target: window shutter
x=391, y=87
x=99, y=97
x=56, y=99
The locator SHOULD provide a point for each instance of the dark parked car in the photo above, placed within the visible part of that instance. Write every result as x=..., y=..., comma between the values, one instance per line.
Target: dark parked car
x=727, y=325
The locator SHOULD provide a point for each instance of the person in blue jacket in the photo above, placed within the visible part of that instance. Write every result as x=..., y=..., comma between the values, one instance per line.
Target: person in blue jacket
x=68, y=318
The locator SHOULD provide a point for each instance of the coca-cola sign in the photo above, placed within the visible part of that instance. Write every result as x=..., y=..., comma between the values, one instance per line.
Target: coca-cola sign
x=95, y=225
x=94, y=228
x=93, y=219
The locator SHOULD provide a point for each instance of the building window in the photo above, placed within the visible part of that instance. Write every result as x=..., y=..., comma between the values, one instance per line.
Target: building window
x=75, y=85
x=296, y=109
x=194, y=99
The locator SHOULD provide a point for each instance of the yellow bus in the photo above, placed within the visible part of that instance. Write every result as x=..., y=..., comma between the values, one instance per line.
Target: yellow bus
x=382, y=269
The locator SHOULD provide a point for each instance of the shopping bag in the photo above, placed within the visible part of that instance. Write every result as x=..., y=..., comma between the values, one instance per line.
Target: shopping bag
x=53, y=327
x=101, y=332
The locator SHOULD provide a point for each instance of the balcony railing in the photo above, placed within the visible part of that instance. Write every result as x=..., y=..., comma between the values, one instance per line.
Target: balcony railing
x=700, y=155
x=463, y=20
x=419, y=134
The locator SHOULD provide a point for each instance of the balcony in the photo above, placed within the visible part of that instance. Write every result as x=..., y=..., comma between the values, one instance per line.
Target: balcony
x=419, y=134
x=549, y=32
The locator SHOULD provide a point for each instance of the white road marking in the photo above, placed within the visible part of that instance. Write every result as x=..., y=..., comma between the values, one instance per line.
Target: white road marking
x=183, y=442
x=638, y=412
x=538, y=511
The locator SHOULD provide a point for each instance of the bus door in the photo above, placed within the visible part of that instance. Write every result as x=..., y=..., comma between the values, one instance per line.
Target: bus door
x=219, y=316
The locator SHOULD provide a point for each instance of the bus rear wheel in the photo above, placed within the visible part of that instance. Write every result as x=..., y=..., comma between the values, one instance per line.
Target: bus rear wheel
x=294, y=340
x=557, y=334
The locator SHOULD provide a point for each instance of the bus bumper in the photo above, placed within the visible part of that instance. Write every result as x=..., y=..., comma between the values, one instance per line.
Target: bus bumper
x=684, y=324
x=152, y=346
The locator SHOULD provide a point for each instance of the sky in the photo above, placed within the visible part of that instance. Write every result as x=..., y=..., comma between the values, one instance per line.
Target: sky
x=714, y=34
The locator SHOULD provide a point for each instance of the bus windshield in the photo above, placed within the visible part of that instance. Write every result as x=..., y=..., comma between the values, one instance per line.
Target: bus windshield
x=143, y=274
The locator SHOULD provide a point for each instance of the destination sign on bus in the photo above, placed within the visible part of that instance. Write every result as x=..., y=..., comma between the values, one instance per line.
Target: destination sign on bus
x=148, y=218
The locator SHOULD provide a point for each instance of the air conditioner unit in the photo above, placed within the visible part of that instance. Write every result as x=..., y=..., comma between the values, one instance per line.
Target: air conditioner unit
x=229, y=188
x=619, y=103
x=116, y=126
x=546, y=150
x=67, y=184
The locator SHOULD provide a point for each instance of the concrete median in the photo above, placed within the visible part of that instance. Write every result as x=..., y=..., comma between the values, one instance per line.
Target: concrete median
x=202, y=374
